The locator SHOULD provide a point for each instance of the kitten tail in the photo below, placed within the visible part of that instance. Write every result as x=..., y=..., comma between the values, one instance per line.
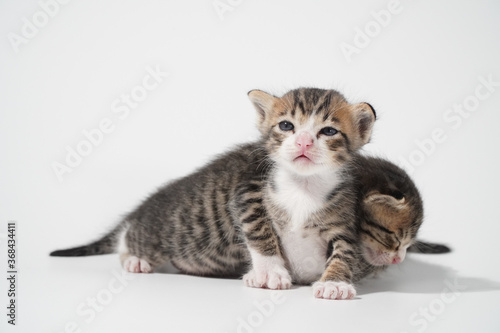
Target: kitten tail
x=105, y=245
x=429, y=248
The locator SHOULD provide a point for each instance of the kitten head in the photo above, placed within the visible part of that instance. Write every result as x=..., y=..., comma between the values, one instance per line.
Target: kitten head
x=389, y=226
x=309, y=131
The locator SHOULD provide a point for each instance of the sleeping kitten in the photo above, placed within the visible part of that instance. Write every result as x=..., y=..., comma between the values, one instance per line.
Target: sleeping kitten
x=254, y=207
x=389, y=214
x=392, y=210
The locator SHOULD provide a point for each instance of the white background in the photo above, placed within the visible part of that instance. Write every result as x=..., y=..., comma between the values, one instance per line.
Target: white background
x=65, y=77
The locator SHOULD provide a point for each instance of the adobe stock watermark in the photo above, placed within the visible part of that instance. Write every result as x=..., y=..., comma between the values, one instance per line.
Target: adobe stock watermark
x=262, y=309
x=89, y=309
x=222, y=7
x=120, y=109
x=48, y=9
x=453, y=117
x=425, y=315
x=363, y=37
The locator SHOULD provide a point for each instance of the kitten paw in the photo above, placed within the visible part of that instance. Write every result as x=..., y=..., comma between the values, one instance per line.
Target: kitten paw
x=271, y=279
x=333, y=290
x=133, y=264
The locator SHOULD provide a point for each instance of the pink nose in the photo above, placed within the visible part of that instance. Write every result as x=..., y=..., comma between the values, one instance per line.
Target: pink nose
x=396, y=260
x=304, y=141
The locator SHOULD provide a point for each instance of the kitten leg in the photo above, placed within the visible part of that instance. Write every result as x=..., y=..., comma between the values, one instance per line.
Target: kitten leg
x=267, y=272
x=130, y=262
x=335, y=283
x=268, y=266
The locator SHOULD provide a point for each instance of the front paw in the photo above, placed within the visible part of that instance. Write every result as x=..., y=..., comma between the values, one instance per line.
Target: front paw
x=333, y=290
x=271, y=278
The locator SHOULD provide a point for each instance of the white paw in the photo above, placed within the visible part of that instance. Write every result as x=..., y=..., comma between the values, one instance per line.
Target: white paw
x=268, y=279
x=333, y=290
x=267, y=272
x=135, y=265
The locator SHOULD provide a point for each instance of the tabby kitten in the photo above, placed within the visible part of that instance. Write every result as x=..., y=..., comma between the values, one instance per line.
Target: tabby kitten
x=251, y=209
x=390, y=212
x=311, y=136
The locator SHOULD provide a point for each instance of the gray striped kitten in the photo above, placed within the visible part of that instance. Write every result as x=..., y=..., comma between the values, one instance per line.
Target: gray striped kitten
x=389, y=214
x=270, y=209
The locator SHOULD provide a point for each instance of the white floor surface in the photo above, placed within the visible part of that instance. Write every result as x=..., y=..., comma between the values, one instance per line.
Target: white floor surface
x=430, y=68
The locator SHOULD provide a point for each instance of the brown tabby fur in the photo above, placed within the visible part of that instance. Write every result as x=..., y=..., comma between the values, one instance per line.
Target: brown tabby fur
x=207, y=222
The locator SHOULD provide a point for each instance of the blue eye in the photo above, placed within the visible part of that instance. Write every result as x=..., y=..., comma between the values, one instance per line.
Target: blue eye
x=329, y=131
x=286, y=126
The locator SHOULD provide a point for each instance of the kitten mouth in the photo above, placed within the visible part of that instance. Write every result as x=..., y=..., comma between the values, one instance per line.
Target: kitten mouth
x=302, y=158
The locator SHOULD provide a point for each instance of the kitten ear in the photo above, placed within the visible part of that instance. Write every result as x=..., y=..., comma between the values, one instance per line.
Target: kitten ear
x=263, y=103
x=374, y=198
x=364, y=118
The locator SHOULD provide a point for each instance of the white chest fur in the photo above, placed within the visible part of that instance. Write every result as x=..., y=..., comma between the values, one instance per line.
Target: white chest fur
x=301, y=197
x=306, y=254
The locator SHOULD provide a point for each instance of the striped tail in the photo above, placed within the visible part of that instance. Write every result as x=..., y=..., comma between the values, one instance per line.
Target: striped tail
x=105, y=245
x=429, y=248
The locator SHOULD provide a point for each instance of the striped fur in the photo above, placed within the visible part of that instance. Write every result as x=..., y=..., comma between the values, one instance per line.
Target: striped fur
x=254, y=210
x=313, y=206
x=215, y=221
x=232, y=216
x=197, y=222
x=390, y=212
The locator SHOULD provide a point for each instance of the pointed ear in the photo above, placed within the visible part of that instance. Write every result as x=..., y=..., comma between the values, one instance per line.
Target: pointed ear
x=397, y=201
x=364, y=118
x=263, y=103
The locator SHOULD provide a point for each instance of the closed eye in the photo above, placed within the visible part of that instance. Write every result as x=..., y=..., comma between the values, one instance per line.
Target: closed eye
x=390, y=236
x=375, y=238
x=378, y=226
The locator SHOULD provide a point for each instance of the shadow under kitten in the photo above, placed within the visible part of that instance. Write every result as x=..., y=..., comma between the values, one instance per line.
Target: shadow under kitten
x=417, y=276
